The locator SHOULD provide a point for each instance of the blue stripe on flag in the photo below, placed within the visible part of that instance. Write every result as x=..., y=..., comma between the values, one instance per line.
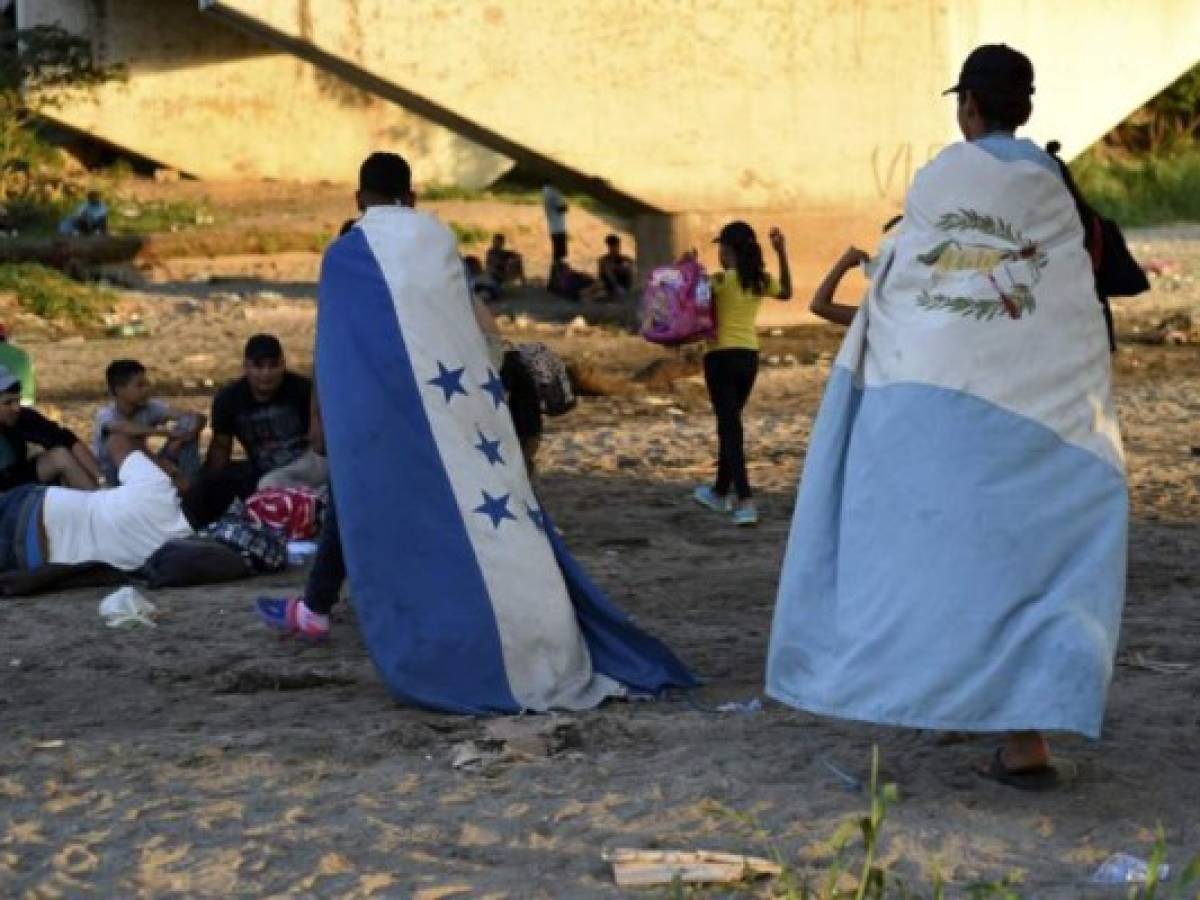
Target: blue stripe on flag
x=619, y=648
x=952, y=565
x=418, y=589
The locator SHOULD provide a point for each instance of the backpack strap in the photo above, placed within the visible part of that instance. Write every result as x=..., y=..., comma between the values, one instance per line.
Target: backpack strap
x=1088, y=217
x=1093, y=238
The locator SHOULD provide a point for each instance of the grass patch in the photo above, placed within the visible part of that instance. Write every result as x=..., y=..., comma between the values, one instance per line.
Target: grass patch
x=128, y=217
x=53, y=296
x=499, y=192
x=1150, y=191
x=853, y=868
x=38, y=217
x=41, y=217
x=470, y=234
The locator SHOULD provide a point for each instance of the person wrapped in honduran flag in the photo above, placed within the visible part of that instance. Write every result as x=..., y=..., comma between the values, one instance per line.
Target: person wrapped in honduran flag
x=467, y=598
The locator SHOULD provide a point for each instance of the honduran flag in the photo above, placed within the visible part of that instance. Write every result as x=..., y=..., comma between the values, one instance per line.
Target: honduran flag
x=957, y=553
x=467, y=599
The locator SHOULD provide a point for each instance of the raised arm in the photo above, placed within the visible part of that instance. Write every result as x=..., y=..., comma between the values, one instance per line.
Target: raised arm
x=785, y=272
x=823, y=304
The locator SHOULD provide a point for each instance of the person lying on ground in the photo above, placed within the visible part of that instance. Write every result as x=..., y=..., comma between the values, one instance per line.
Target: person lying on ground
x=90, y=217
x=615, y=269
x=121, y=527
x=135, y=414
x=64, y=459
x=504, y=265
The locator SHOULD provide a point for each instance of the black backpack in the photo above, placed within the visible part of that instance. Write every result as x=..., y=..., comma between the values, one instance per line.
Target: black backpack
x=550, y=375
x=1116, y=272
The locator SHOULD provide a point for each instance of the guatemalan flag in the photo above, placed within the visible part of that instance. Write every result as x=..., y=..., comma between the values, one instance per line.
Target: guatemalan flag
x=467, y=600
x=957, y=553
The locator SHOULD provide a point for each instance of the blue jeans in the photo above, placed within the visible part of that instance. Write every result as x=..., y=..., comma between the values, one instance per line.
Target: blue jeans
x=20, y=528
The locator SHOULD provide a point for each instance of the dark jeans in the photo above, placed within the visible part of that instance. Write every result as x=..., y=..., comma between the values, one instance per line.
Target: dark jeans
x=210, y=493
x=558, y=253
x=20, y=520
x=729, y=375
x=558, y=246
x=329, y=568
x=523, y=401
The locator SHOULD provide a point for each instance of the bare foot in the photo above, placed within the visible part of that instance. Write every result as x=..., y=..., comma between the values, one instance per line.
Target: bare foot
x=1025, y=751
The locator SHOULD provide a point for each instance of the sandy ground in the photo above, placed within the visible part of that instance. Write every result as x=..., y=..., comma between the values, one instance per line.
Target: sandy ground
x=206, y=758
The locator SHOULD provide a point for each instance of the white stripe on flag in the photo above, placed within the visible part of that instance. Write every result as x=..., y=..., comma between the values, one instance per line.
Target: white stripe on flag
x=545, y=655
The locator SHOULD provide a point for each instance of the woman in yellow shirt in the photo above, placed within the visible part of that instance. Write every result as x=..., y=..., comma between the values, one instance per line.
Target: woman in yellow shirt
x=731, y=364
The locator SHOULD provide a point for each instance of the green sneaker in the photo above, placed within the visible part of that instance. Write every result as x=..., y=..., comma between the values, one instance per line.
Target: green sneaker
x=706, y=496
x=745, y=514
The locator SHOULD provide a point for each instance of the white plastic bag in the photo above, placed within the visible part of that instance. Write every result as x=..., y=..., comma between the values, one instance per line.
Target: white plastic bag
x=127, y=607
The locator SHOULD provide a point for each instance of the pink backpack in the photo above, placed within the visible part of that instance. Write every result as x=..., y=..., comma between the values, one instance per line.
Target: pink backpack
x=677, y=305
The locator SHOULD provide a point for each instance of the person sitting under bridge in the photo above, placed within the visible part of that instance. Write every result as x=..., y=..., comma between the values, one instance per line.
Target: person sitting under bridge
x=90, y=217
x=503, y=265
x=616, y=270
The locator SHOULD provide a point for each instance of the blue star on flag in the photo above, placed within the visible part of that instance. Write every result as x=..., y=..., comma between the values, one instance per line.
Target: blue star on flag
x=536, y=516
x=490, y=449
x=494, y=386
x=495, y=508
x=449, y=380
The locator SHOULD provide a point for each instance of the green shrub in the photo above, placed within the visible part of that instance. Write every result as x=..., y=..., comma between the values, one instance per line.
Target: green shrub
x=52, y=295
x=1150, y=191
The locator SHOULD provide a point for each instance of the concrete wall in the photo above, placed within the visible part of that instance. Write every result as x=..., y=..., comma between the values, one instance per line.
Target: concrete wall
x=810, y=114
x=210, y=101
x=726, y=104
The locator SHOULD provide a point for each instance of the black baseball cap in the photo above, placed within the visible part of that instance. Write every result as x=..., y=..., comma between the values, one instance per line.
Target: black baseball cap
x=997, y=69
x=386, y=174
x=736, y=234
x=263, y=346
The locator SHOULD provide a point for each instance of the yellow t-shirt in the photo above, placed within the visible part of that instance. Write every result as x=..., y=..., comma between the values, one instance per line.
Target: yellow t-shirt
x=737, y=310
